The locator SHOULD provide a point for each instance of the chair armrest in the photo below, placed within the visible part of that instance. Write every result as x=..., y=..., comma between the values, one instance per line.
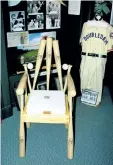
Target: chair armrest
x=71, y=86
x=22, y=85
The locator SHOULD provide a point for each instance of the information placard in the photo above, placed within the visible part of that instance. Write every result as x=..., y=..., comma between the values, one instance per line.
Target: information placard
x=89, y=96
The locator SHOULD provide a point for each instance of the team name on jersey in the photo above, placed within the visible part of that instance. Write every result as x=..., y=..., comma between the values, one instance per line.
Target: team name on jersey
x=96, y=35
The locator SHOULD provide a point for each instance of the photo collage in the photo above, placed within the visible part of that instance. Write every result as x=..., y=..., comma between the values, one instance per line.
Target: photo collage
x=28, y=25
x=39, y=14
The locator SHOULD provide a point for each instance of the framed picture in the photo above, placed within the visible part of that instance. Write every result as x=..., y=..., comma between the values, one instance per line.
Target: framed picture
x=54, y=82
x=35, y=21
x=58, y=82
x=35, y=17
x=17, y=38
x=34, y=7
x=41, y=85
x=53, y=15
x=17, y=21
x=29, y=51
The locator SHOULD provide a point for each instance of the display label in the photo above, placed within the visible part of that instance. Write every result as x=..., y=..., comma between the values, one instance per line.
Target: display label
x=89, y=96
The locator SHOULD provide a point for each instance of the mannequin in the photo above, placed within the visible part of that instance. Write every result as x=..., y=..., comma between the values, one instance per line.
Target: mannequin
x=96, y=40
x=98, y=17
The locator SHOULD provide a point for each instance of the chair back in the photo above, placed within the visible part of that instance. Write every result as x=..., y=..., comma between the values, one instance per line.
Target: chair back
x=46, y=46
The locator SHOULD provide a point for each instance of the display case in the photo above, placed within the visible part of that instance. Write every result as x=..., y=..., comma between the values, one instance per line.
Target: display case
x=23, y=23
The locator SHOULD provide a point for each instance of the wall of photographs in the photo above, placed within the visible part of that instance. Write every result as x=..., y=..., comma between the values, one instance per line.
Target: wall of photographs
x=39, y=15
x=25, y=23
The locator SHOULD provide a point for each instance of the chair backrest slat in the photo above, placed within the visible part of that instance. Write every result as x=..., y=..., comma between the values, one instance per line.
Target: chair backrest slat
x=48, y=59
x=39, y=60
x=68, y=72
x=58, y=61
x=26, y=70
x=49, y=43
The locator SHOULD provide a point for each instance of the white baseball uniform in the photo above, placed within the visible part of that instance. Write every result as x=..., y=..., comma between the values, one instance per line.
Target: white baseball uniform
x=96, y=39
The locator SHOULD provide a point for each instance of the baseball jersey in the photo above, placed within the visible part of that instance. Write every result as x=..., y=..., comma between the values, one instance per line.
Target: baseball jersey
x=96, y=38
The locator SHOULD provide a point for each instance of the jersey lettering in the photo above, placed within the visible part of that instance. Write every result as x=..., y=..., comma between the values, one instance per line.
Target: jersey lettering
x=111, y=35
x=96, y=35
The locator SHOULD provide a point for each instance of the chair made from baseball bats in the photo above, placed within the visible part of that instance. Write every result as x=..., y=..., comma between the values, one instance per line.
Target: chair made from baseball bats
x=42, y=106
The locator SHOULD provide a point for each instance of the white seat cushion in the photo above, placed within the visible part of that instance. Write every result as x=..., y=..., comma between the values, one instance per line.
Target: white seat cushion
x=42, y=101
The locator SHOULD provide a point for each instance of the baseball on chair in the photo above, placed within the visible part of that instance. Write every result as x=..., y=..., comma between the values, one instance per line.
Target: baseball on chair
x=30, y=66
x=65, y=66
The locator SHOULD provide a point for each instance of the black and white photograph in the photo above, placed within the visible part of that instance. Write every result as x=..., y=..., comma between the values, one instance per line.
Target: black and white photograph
x=52, y=7
x=41, y=86
x=35, y=21
x=57, y=82
x=52, y=21
x=53, y=15
x=17, y=21
x=35, y=7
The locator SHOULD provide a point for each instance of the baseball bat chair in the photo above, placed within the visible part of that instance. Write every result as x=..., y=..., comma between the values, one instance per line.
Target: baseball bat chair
x=40, y=106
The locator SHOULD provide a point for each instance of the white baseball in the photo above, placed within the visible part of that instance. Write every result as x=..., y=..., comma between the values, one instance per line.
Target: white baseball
x=30, y=66
x=65, y=66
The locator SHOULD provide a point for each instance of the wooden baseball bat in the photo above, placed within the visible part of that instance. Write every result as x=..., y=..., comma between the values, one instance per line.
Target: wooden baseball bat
x=68, y=72
x=48, y=59
x=26, y=97
x=70, y=131
x=26, y=70
x=22, y=140
x=71, y=86
x=22, y=85
x=43, y=67
x=58, y=61
x=39, y=60
x=22, y=130
x=71, y=94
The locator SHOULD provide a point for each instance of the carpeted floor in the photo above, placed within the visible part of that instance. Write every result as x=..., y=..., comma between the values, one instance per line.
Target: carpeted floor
x=47, y=144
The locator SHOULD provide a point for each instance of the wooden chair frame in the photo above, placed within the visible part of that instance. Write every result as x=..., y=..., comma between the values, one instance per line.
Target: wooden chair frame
x=46, y=118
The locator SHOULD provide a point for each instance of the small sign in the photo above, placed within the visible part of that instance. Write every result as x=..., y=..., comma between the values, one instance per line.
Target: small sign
x=74, y=7
x=89, y=96
x=15, y=39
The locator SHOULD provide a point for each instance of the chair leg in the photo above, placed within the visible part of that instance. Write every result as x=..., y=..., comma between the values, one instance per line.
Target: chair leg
x=70, y=140
x=22, y=140
x=28, y=125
